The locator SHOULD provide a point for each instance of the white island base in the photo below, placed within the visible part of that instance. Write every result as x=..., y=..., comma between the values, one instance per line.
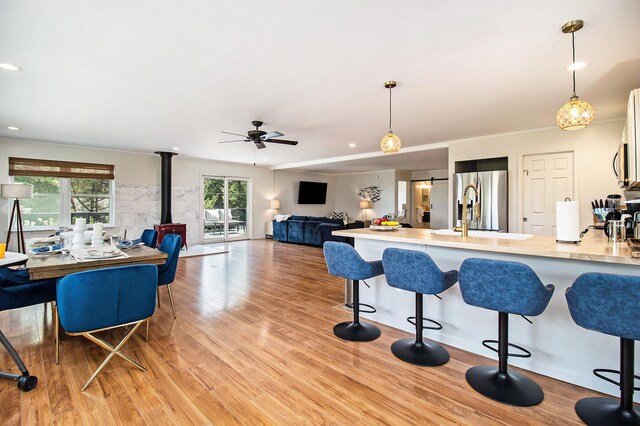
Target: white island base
x=560, y=348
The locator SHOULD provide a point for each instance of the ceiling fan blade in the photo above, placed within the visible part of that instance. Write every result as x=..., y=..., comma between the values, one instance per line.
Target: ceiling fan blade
x=271, y=135
x=237, y=140
x=260, y=145
x=235, y=134
x=282, y=141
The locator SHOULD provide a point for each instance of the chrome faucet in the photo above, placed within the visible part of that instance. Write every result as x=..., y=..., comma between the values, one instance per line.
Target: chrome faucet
x=476, y=209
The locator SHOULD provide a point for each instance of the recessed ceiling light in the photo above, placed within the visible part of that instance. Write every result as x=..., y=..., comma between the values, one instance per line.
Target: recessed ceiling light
x=576, y=66
x=353, y=145
x=13, y=128
x=10, y=67
x=176, y=148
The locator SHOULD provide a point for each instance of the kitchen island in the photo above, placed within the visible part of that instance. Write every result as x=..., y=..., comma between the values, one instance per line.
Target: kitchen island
x=560, y=348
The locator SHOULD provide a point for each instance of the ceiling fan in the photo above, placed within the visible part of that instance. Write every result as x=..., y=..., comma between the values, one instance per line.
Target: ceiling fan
x=259, y=137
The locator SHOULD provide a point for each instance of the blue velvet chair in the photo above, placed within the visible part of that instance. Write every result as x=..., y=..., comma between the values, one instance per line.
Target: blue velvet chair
x=509, y=288
x=415, y=271
x=609, y=304
x=344, y=261
x=103, y=299
x=17, y=291
x=171, y=245
x=149, y=237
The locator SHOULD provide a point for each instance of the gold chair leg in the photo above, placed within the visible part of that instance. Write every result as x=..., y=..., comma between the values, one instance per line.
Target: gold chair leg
x=56, y=331
x=147, y=336
x=106, y=345
x=173, y=308
x=115, y=351
x=158, y=297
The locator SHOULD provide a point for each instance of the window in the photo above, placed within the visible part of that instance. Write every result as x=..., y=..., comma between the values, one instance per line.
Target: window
x=64, y=191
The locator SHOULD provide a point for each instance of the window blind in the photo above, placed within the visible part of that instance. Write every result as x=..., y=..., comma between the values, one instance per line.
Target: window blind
x=65, y=169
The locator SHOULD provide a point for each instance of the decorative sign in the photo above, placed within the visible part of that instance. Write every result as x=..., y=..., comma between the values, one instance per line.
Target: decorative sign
x=371, y=193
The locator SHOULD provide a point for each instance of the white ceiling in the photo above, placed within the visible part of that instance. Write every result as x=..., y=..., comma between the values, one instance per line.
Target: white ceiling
x=149, y=75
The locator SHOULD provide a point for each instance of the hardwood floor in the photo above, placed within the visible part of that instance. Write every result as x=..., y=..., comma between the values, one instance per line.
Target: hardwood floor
x=253, y=344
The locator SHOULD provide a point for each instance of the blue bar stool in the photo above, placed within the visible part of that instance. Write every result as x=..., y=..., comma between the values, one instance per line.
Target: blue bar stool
x=509, y=288
x=609, y=304
x=415, y=271
x=344, y=261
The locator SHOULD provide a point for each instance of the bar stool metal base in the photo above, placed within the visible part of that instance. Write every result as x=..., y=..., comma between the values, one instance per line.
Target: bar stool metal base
x=427, y=354
x=509, y=388
x=605, y=411
x=356, y=332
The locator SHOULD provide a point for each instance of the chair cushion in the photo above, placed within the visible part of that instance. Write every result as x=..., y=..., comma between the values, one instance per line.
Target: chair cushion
x=108, y=297
x=212, y=214
x=17, y=291
x=415, y=271
x=344, y=261
x=502, y=286
x=606, y=303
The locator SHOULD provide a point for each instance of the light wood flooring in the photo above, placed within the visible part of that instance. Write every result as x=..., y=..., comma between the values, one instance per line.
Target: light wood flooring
x=253, y=344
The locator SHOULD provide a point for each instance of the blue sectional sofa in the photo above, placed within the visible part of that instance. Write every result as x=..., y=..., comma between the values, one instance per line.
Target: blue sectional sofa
x=307, y=230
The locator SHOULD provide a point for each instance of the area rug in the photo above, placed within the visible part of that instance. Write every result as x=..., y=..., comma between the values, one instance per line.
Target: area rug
x=203, y=250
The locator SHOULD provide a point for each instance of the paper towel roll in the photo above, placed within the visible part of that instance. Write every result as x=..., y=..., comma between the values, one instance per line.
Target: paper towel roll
x=567, y=221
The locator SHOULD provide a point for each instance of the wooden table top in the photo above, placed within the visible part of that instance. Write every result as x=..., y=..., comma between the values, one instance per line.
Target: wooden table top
x=59, y=265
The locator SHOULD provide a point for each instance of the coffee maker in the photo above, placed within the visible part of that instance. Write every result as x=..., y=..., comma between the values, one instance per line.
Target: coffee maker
x=613, y=204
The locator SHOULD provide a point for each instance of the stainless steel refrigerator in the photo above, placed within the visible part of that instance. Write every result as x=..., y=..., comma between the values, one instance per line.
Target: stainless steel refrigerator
x=493, y=200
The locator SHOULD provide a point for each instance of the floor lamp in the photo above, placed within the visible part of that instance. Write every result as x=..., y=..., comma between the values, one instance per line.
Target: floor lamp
x=16, y=191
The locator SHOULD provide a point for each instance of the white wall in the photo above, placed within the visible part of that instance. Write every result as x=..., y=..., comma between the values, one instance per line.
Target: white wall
x=137, y=201
x=347, y=198
x=285, y=189
x=593, y=149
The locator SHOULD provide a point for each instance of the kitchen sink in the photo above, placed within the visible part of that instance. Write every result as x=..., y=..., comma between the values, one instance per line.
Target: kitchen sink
x=484, y=234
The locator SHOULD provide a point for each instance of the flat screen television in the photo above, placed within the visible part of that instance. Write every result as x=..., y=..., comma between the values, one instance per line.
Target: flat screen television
x=312, y=192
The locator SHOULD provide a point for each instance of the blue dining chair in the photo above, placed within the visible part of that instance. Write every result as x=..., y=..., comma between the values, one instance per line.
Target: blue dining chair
x=149, y=237
x=507, y=288
x=171, y=244
x=18, y=291
x=103, y=299
x=608, y=304
x=344, y=261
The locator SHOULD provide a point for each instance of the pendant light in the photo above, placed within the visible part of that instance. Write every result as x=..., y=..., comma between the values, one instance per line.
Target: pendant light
x=390, y=143
x=575, y=114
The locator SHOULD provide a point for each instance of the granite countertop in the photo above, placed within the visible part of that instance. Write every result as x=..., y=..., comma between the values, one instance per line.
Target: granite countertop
x=594, y=246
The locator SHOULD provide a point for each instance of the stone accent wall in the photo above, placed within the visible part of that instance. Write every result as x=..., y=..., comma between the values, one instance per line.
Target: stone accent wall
x=138, y=207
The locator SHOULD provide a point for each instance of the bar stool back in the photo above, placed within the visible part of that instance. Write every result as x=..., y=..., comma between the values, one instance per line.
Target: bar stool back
x=609, y=304
x=509, y=288
x=415, y=271
x=344, y=261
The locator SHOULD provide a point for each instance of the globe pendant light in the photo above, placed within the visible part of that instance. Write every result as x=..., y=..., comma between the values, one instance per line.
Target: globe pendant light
x=575, y=114
x=390, y=143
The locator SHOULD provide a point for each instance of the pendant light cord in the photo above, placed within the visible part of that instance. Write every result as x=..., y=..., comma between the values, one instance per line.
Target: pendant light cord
x=573, y=47
x=390, y=109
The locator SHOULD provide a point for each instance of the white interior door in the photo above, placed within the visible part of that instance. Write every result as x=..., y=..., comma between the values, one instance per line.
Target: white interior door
x=547, y=178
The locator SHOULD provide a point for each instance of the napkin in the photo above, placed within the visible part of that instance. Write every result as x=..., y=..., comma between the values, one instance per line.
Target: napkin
x=46, y=248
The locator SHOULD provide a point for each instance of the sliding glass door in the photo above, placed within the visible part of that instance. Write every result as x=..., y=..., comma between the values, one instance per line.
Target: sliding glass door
x=226, y=208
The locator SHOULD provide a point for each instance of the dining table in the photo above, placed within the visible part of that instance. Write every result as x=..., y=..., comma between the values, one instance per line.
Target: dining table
x=43, y=266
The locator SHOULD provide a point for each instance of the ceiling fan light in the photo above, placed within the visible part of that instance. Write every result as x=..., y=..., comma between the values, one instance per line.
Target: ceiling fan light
x=575, y=114
x=390, y=143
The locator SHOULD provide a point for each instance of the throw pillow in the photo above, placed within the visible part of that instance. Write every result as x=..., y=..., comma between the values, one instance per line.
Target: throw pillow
x=337, y=215
x=210, y=214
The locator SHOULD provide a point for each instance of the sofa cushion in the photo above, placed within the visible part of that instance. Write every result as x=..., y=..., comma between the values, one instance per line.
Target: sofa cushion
x=295, y=231
x=311, y=232
x=302, y=218
x=211, y=214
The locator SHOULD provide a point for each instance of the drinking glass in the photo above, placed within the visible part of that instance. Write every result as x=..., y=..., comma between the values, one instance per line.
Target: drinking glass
x=116, y=240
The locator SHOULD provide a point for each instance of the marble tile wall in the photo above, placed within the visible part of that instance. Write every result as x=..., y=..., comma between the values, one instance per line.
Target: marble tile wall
x=138, y=207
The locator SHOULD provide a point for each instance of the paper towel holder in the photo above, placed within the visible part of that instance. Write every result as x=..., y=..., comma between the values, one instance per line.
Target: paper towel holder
x=572, y=237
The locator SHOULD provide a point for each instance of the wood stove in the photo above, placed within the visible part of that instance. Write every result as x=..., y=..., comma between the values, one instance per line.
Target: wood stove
x=166, y=226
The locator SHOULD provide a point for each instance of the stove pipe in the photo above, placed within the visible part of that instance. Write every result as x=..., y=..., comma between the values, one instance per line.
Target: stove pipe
x=165, y=186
